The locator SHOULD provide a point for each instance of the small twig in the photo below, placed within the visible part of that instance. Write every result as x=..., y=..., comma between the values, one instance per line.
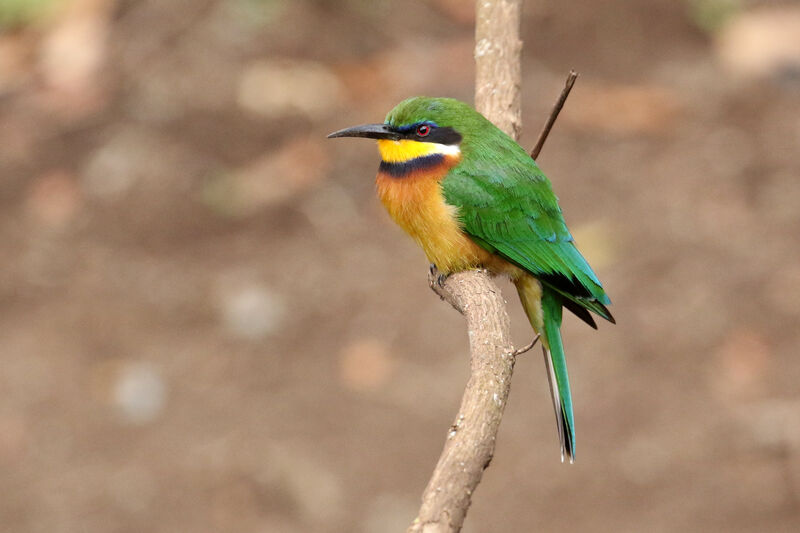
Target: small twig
x=554, y=113
x=520, y=351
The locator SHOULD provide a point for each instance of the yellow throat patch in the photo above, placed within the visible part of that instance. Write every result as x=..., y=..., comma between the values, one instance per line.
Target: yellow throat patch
x=406, y=150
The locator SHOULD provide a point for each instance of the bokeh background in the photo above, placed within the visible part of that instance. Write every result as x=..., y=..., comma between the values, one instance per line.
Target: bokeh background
x=208, y=323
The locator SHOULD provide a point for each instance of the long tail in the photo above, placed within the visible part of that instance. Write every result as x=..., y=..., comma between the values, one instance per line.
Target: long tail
x=544, y=309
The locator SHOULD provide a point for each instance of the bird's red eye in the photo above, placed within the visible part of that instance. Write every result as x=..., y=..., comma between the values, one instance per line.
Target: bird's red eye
x=423, y=130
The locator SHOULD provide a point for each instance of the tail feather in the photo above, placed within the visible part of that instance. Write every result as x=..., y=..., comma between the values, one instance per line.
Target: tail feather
x=543, y=306
x=557, y=373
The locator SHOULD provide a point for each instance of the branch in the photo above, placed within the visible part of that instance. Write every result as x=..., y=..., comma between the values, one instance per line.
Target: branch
x=470, y=442
x=554, y=113
x=498, y=69
x=471, y=439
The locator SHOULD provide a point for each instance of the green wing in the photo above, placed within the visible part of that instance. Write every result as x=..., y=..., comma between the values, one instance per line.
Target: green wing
x=507, y=206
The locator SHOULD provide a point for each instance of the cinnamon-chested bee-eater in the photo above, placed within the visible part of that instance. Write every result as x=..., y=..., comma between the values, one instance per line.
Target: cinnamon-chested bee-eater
x=473, y=198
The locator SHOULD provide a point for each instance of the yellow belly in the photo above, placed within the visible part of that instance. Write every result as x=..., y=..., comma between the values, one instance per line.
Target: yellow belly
x=416, y=204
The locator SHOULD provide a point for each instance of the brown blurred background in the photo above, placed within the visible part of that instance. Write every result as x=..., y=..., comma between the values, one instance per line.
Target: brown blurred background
x=208, y=323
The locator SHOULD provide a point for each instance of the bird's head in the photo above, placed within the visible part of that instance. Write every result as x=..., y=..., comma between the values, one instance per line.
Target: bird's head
x=421, y=127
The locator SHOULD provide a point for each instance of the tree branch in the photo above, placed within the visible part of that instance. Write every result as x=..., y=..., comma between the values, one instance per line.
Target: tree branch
x=471, y=439
x=498, y=66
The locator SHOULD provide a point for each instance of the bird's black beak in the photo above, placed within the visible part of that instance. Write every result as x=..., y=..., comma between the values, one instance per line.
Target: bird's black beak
x=371, y=131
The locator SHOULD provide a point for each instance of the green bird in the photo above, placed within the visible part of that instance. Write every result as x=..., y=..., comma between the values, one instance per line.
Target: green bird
x=473, y=198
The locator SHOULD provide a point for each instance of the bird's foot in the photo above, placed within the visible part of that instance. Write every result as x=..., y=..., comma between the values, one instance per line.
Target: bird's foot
x=524, y=349
x=436, y=276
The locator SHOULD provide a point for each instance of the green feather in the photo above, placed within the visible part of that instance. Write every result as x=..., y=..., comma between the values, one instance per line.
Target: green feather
x=509, y=208
x=557, y=373
x=505, y=202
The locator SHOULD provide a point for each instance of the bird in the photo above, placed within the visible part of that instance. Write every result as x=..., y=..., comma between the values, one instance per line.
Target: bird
x=472, y=197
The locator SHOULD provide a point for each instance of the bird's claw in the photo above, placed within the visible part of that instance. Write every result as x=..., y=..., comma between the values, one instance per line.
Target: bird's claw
x=437, y=277
x=526, y=348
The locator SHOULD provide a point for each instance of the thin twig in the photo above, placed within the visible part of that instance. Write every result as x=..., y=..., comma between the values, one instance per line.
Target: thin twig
x=554, y=113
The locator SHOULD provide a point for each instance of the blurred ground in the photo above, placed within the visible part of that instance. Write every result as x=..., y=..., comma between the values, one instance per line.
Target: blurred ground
x=207, y=322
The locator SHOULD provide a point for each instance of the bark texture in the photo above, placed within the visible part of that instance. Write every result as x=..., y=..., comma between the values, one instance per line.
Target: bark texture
x=498, y=70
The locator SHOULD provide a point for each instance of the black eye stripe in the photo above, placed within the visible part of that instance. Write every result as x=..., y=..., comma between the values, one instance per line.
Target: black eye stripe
x=444, y=135
x=411, y=128
x=436, y=134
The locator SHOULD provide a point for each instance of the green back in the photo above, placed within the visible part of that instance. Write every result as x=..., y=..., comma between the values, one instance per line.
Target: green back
x=506, y=203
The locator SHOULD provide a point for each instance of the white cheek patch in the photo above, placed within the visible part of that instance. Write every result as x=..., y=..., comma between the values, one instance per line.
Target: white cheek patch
x=446, y=149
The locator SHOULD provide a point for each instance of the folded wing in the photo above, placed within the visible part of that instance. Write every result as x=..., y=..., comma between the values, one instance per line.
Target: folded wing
x=511, y=210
